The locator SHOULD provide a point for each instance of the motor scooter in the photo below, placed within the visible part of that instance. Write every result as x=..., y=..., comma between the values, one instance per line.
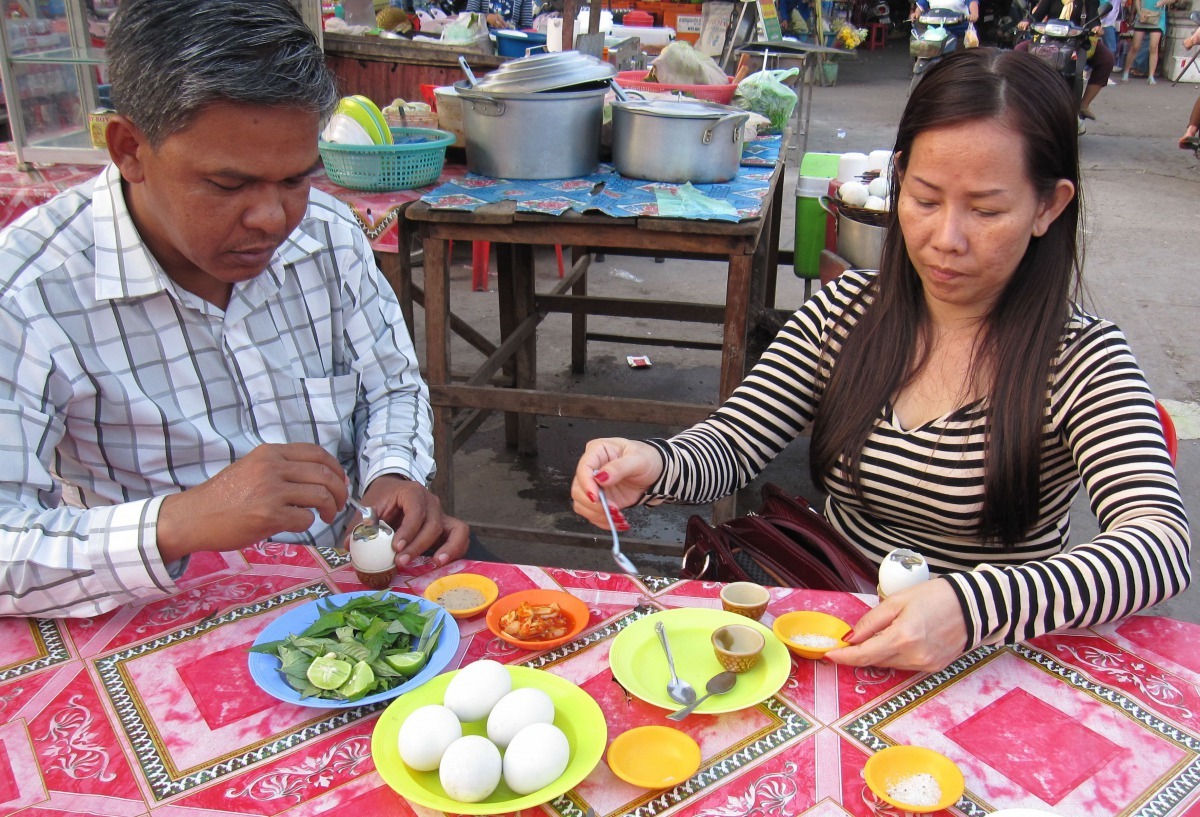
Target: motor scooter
x=1007, y=33
x=930, y=41
x=1064, y=46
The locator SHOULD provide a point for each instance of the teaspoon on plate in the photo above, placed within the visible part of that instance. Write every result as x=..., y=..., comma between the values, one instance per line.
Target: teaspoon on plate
x=719, y=684
x=681, y=691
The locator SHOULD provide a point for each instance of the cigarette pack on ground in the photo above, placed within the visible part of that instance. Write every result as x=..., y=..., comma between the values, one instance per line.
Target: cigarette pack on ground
x=638, y=361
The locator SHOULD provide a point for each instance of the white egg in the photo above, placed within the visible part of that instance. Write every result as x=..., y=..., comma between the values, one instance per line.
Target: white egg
x=373, y=555
x=515, y=711
x=536, y=757
x=878, y=187
x=471, y=769
x=875, y=203
x=477, y=688
x=425, y=734
x=901, y=569
x=853, y=193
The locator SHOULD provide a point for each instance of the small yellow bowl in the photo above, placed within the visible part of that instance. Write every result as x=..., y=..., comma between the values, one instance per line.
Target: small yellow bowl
x=810, y=622
x=654, y=757
x=444, y=587
x=887, y=767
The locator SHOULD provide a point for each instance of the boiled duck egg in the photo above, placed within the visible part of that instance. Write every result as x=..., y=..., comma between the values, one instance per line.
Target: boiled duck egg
x=878, y=187
x=515, y=711
x=477, y=688
x=535, y=757
x=875, y=203
x=425, y=735
x=901, y=569
x=853, y=193
x=471, y=769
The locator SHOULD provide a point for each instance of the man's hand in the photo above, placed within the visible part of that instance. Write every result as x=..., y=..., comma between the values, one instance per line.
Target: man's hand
x=416, y=516
x=920, y=628
x=1023, y=25
x=274, y=488
x=496, y=21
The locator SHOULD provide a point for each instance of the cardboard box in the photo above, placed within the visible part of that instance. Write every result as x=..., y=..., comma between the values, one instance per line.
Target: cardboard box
x=97, y=121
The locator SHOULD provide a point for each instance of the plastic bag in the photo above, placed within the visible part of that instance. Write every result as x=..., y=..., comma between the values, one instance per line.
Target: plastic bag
x=680, y=64
x=467, y=28
x=971, y=38
x=764, y=93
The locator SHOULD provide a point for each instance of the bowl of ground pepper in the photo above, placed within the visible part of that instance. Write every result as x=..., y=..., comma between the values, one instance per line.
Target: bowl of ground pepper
x=463, y=594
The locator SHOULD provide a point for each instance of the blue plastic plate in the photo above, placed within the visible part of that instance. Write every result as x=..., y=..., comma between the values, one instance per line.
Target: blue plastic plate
x=264, y=669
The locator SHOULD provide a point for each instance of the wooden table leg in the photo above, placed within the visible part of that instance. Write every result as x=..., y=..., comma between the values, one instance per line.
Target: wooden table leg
x=733, y=355
x=579, y=319
x=505, y=294
x=437, y=365
x=524, y=287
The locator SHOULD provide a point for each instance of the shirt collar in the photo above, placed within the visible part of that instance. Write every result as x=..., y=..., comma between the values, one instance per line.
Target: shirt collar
x=125, y=267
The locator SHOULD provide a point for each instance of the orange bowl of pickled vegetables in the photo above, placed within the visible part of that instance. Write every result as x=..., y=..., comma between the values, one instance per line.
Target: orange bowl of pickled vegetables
x=538, y=619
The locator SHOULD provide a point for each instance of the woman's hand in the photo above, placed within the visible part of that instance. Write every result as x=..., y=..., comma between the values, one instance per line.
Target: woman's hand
x=920, y=628
x=1023, y=25
x=496, y=21
x=625, y=469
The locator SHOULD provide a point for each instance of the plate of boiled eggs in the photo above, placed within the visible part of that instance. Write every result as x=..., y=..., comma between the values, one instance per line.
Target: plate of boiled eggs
x=489, y=739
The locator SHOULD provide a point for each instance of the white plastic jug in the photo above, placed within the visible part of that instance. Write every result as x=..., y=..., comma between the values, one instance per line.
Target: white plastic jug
x=554, y=27
x=606, y=22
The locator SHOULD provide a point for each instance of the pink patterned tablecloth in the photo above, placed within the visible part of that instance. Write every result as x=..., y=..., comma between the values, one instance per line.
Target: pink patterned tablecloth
x=22, y=189
x=151, y=710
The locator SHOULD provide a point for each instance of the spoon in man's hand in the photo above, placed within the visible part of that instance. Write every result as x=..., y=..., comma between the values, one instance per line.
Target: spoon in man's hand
x=719, y=684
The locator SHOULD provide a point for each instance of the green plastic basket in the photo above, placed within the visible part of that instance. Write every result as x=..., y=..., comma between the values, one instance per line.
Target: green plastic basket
x=414, y=159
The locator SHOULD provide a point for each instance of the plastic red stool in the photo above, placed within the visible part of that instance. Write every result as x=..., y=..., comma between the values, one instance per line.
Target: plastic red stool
x=876, y=36
x=481, y=259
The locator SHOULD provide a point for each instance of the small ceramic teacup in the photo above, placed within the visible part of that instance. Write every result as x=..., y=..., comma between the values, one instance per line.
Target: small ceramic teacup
x=746, y=599
x=738, y=647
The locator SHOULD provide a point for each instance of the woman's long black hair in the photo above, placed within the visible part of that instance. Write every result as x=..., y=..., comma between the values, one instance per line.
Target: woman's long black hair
x=1024, y=328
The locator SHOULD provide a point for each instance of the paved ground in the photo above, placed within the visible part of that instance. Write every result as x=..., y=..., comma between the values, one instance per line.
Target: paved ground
x=1141, y=192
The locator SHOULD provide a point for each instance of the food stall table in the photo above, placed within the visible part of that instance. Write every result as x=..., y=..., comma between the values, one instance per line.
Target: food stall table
x=749, y=249
x=150, y=709
x=22, y=189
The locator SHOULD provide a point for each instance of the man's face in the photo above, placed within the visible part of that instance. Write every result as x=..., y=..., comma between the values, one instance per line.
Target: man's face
x=214, y=201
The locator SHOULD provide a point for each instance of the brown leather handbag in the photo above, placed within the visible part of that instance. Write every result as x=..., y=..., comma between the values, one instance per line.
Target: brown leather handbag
x=785, y=543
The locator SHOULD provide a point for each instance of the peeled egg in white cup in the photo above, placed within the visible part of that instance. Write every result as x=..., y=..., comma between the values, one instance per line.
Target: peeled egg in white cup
x=853, y=193
x=477, y=688
x=536, y=757
x=425, y=735
x=515, y=711
x=900, y=570
x=471, y=769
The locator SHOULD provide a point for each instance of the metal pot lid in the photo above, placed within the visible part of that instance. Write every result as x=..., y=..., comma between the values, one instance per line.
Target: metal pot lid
x=546, y=72
x=678, y=109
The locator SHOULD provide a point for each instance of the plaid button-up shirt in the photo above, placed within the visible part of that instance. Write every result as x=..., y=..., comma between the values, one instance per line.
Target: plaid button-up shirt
x=118, y=387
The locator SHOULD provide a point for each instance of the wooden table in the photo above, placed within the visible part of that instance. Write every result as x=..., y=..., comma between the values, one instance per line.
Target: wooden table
x=150, y=710
x=749, y=248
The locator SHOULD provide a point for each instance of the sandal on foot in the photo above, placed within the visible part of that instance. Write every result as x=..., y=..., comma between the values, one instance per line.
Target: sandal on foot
x=1086, y=113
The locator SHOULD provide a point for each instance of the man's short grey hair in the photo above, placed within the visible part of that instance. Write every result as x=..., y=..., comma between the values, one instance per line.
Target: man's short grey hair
x=168, y=60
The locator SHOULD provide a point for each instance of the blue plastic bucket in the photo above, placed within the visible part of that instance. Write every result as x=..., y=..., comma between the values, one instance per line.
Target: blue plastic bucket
x=517, y=43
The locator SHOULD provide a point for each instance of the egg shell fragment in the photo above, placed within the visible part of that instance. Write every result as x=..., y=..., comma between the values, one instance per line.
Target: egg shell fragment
x=425, y=735
x=536, y=757
x=515, y=711
x=471, y=769
x=477, y=688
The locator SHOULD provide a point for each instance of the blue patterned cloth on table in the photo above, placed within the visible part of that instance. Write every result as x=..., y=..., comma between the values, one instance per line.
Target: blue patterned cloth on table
x=612, y=194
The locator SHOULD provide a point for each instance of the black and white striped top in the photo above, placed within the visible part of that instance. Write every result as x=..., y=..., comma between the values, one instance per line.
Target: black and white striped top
x=923, y=487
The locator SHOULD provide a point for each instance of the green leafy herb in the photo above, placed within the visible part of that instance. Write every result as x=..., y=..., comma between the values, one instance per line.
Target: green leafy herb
x=370, y=644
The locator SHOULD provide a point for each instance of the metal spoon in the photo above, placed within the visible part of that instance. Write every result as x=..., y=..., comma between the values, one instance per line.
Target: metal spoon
x=681, y=692
x=462, y=61
x=620, y=558
x=368, y=514
x=719, y=684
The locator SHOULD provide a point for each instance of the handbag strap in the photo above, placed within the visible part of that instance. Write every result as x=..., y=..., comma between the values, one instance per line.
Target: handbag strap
x=707, y=555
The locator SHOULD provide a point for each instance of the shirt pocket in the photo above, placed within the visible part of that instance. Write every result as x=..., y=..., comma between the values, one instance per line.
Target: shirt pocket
x=316, y=410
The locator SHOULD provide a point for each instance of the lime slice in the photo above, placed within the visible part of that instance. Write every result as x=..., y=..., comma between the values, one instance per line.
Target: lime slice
x=407, y=664
x=360, y=680
x=328, y=671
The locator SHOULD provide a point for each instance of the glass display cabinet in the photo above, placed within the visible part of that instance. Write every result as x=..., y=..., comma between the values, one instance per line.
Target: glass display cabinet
x=53, y=67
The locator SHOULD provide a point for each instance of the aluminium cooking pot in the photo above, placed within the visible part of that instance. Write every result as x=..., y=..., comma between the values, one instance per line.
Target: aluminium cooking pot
x=547, y=135
x=677, y=141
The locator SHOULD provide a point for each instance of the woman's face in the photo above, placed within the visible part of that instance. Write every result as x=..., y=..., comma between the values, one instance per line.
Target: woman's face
x=967, y=210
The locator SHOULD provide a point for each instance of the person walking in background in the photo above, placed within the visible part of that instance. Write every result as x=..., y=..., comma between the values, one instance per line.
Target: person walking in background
x=1110, y=24
x=1101, y=59
x=1149, y=17
x=516, y=14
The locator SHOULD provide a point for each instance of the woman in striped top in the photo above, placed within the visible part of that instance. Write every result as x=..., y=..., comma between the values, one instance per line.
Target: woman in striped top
x=957, y=397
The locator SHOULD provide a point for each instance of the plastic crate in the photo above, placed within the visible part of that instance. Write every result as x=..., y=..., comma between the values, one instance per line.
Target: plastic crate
x=414, y=160
x=636, y=81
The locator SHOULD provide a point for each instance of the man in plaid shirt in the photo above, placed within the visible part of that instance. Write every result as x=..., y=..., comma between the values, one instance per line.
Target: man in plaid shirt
x=197, y=351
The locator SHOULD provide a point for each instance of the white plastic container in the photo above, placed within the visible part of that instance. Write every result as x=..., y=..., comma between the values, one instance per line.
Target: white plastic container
x=449, y=113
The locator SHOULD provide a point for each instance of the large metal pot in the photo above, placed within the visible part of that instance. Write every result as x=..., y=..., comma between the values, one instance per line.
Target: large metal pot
x=547, y=135
x=677, y=141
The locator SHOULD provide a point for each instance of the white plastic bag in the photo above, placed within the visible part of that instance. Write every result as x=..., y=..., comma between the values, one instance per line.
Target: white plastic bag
x=466, y=28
